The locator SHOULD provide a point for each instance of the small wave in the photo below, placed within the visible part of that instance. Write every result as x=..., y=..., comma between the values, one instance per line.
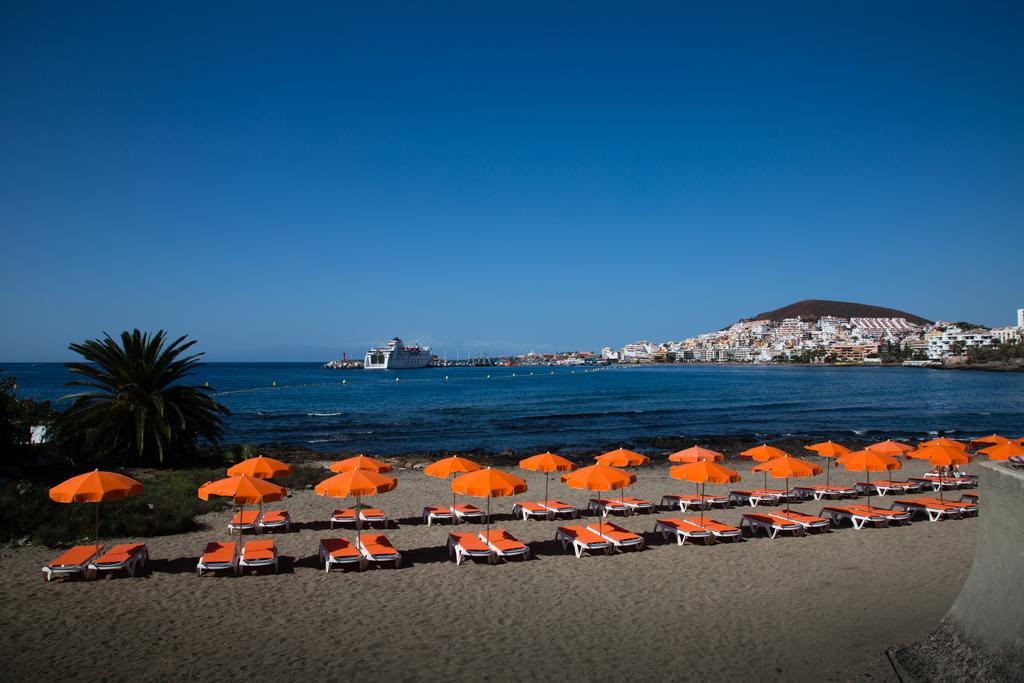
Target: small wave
x=323, y=414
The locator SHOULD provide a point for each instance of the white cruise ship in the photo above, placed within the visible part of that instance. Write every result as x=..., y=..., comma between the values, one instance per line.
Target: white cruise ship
x=397, y=356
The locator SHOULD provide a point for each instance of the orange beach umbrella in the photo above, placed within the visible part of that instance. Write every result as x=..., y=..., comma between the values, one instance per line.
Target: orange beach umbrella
x=448, y=467
x=869, y=461
x=991, y=440
x=1003, y=451
x=696, y=454
x=828, y=449
x=764, y=453
x=95, y=487
x=547, y=463
x=243, y=490
x=356, y=483
x=622, y=457
x=942, y=456
x=488, y=483
x=943, y=441
x=890, y=448
x=702, y=472
x=787, y=468
x=598, y=478
x=260, y=467
x=360, y=462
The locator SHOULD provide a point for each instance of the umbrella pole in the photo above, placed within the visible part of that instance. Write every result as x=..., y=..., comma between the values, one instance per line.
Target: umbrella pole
x=700, y=502
x=96, y=539
x=787, y=495
x=455, y=516
x=546, y=478
x=940, y=491
x=827, y=462
x=357, y=520
x=488, y=532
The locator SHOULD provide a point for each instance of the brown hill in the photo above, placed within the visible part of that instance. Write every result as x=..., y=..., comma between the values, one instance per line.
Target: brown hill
x=817, y=308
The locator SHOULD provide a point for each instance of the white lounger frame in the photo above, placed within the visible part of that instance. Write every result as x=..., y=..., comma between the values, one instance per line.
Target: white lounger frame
x=933, y=514
x=618, y=545
x=771, y=529
x=520, y=510
x=430, y=516
x=580, y=547
x=680, y=535
x=137, y=560
x=396, y=557
x=328, y=561
x=747, y=498
x=607, y=507
x=244, y=564
x=68, y=569
x=460, y=554
x=505, y=554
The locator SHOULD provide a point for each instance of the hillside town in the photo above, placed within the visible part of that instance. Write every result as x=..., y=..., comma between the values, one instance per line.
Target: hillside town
x=826, y=339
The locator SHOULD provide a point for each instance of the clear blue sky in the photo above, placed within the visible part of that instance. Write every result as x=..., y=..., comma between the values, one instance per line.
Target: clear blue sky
x=285, y=186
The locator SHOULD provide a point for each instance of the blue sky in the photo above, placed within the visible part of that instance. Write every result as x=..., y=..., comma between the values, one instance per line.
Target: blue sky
x=286, y=186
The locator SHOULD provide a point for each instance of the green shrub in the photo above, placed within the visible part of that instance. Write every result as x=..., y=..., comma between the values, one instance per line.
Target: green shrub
x=168, y=505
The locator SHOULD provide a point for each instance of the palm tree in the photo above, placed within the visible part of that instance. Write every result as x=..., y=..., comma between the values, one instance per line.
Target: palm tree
x=137, y=410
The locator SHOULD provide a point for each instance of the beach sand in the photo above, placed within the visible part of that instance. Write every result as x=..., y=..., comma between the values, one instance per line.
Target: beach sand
x=821, y=607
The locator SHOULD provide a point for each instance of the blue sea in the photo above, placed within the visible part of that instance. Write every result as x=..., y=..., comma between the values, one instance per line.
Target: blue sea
x=392, y=412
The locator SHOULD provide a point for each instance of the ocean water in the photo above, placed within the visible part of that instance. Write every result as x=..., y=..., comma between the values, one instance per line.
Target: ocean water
x=390, y=412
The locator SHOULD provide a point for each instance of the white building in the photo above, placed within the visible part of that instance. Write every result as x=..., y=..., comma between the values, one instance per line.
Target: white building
x=642, y=350
x=1020, y=317
x=1008, y=334
x=608, y=354
x=941, y=345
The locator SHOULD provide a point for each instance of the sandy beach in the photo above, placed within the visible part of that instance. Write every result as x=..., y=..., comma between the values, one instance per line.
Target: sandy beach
x=820, y=607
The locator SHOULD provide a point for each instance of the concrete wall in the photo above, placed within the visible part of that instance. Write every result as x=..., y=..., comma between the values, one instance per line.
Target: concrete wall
x=990, y=606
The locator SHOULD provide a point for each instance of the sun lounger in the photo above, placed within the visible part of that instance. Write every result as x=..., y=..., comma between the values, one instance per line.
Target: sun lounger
x=894, y=516
x=74, y=561
x=127, y=556
x=620, y=538
x=932, y=511
x=366, y=515
x=462, y=546
x=216, y=557
x=719, y=530
x=753, y=497
x=636, y=505
x=772, y=526
x=244, y=520
x=936, y=485
x=837, y=514
x=275, y=519
x=437, y=513
x=968, y=508
x=808, y=522
x=582, y=539
x=255, y=554
x=606, y=506
x=883, y=487
x=339, y=552
x=819, y=491
x=377, y=548
x=530, y=511
x=468, y=513
x=560, y=509
x=685, y=501
x=683, y=530
x=505, y=545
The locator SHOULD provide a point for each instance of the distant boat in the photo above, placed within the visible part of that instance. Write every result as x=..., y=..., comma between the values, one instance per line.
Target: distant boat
x=397, y=356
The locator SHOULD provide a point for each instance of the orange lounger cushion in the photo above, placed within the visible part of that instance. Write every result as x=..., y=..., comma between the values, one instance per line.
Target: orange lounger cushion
x=275, y=516
x=948, y=503
x=437, y=510
x=219, y=553
x=378, y=544
x=635, y=501
x=339, y=548
x=613, y=531
x=799, y=516
x=350, y=513
x=76, y=557
x=259, y=550
x=468, y=509
x=120, y=554
x=470, y=542
x=503, y=540
x=713, y=525
x=557, y=504
x=682, y=525
x=245, y=517
x=582, y=534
